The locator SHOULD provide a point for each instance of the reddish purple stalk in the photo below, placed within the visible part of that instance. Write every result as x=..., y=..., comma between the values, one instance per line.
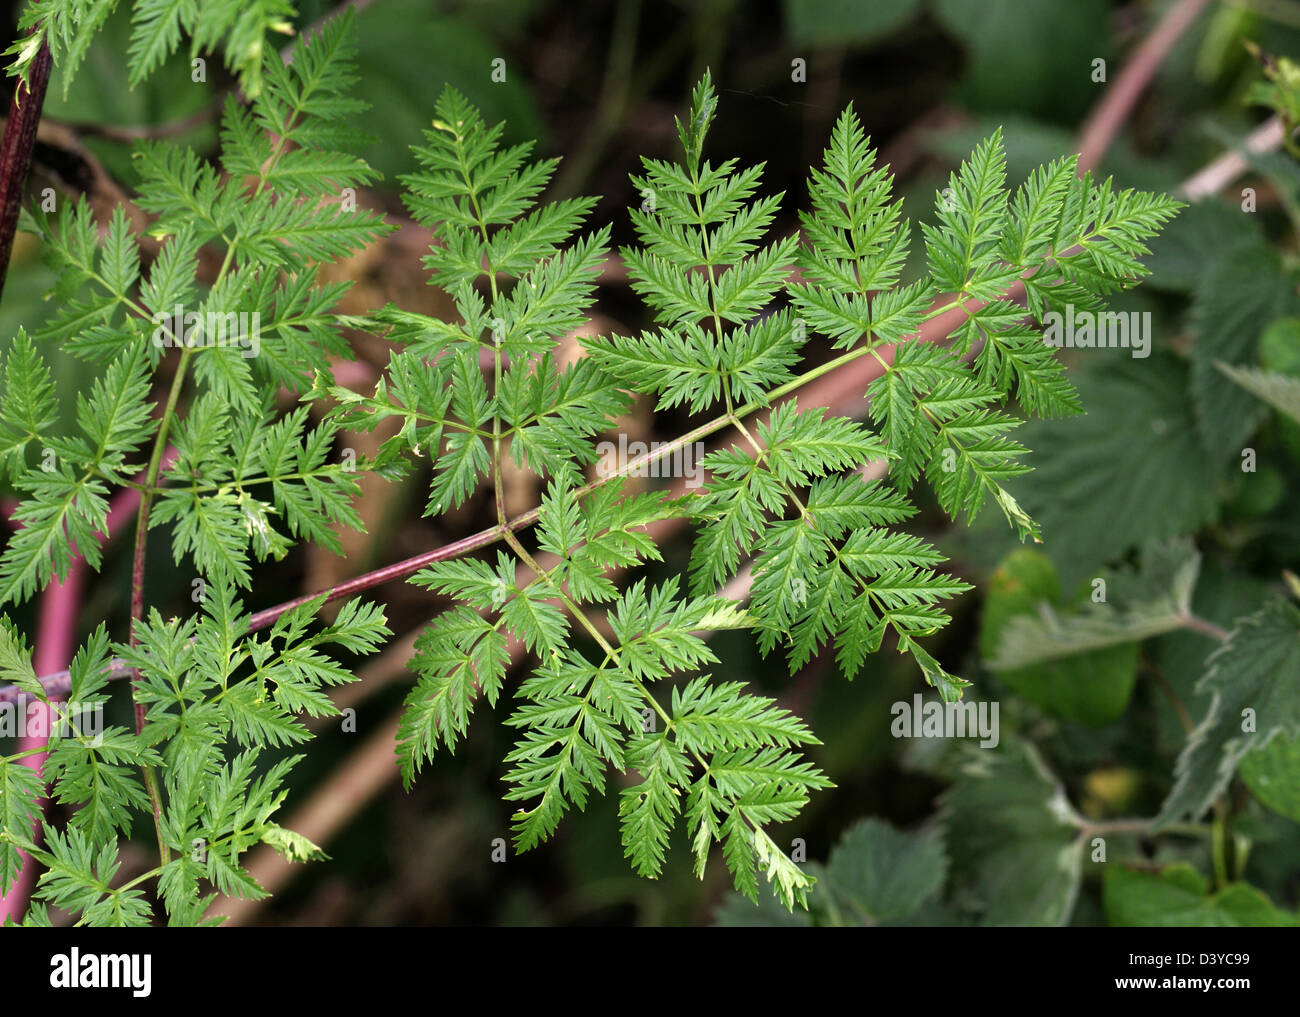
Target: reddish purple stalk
x=57, y=683
x=16, y=151
x=55, y=635
x=56, y=639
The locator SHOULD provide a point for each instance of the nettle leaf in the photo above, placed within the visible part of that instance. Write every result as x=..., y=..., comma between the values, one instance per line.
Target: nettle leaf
x=1020, y=859
x=1156, y=601
x=884, y=873
x=1179, y=897
x=1252, y=678
x=1074, y=663
x=1281, y=391
x=1239, y=295
x=876, y=875
x=1273, y=775
x=1089, y=517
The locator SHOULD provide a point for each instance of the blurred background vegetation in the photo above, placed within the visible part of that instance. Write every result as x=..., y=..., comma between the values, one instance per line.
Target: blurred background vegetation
x=598, y=83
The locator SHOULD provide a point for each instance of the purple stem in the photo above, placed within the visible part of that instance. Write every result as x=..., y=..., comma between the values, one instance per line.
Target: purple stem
x=55, y=644
x=58, y=683
x=16, y=151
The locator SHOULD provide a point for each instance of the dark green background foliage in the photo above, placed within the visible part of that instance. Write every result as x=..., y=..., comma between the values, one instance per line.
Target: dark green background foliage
x=1120, y=715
